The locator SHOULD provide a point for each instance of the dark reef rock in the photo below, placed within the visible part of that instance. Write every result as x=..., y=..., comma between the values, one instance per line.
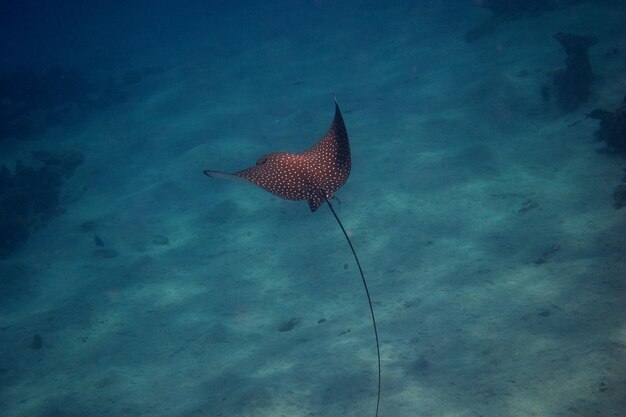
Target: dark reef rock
x=573, y=84
x=547, y=254
x=31, y=103
x=289, y=325
x=29, y=196
x=507, y=10
x=612, y=128
x=64, y=163
x=620, y=195
x=97, y=241
x=420, y=367
x=88, y=226
x=612, y=132
x=37, y=342
x=528, y=205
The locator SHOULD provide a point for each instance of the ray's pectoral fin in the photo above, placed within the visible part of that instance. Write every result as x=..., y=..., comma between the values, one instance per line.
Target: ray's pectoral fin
x=223, y=175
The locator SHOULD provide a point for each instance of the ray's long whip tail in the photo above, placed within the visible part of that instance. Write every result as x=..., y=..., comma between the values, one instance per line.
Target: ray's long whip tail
x=367, y=292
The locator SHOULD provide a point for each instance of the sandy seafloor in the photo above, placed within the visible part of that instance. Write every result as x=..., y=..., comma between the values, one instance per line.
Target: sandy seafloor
x=450, y=141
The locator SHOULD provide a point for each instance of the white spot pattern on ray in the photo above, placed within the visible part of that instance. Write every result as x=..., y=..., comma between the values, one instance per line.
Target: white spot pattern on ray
x=324, y=168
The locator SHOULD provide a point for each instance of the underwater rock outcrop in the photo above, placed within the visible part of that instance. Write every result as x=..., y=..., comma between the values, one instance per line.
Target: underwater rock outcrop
x=573, y=83
x=30, y=103
x=29, y=196
x=612, y=132
x=612, y=129
x=507, y=10
x=620, y=195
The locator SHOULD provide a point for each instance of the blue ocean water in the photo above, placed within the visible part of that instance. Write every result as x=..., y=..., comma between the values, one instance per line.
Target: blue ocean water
x=484, y=203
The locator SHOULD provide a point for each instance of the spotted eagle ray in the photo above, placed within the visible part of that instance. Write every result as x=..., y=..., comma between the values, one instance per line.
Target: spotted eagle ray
x=313, y=175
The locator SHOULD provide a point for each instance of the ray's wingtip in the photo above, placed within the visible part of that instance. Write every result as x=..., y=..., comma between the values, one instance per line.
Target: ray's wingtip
x=337, y=110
